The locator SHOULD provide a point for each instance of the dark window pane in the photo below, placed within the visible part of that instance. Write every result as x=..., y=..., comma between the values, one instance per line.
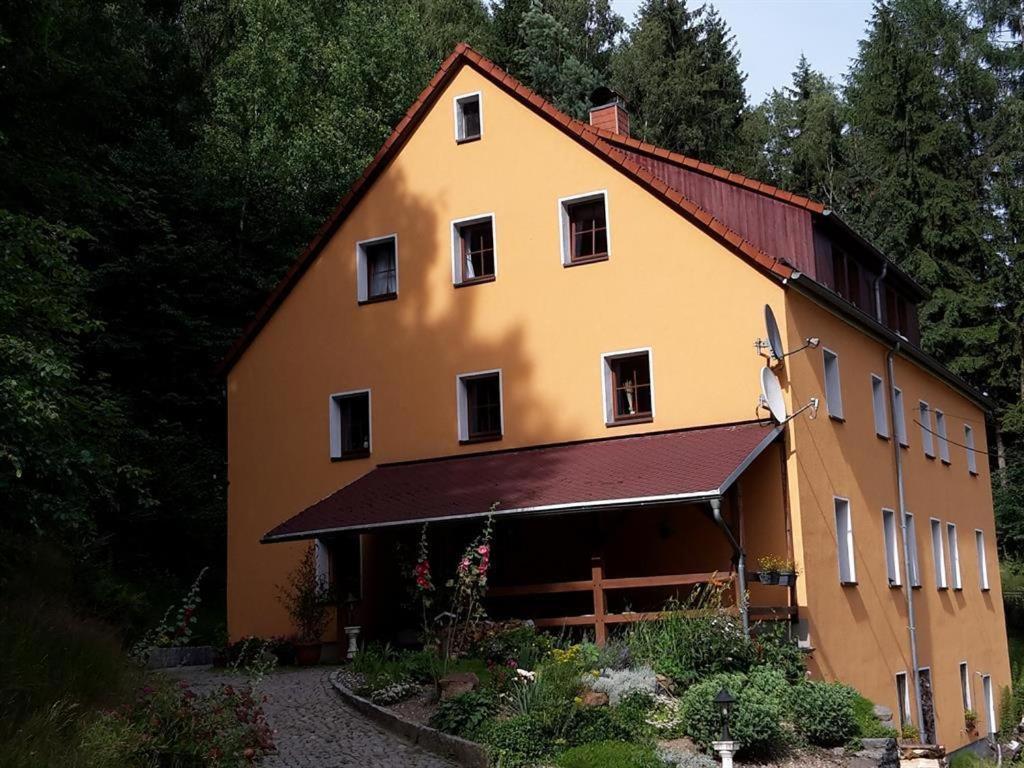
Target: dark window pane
x=839, y=276
x=587, y=229
x=483, y=405
x=381, y=275
x=347, y=562
x=355, y=424
x=477, y=250
x=470, y=109
x=853, y=281
x=631, y=379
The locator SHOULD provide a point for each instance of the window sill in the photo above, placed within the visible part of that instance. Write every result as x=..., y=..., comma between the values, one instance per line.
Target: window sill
x=378, y=299
x=880, y=436
x=588, y=260
x=624, y=422
x=351, y=456
x=469, y=139
x=972, y=473
x=929, y=456
x=840, y=419
x=942, y=589
x=905, y=446
x=475, y=281
x=947, y=463
x=848, y=584
x=480, y=439
x=895, y=586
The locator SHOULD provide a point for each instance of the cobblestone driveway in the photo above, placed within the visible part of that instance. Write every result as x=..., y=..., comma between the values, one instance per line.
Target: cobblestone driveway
x=313, y=728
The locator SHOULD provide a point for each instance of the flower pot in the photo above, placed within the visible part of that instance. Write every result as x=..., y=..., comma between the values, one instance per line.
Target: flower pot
x=786, y=578
x=768, y=577
x=307, y=654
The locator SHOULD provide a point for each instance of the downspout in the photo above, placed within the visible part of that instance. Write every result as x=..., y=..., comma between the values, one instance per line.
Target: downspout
x=912, y=627
x=741, y=563
x=878, y=291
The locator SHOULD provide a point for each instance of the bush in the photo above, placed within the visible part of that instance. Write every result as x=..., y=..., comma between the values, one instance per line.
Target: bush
x=868, y=726
x=596, y=724
x=631, y=715
x=609, y=754
x=515, y=741
x=774, y=648
x=620, y=683
x=463, y=715
x=825, y=712
x=700, y=716
x=522, y=645
x=758, y=718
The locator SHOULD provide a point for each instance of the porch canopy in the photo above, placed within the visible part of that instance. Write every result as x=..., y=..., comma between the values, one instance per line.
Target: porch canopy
x=681, y=466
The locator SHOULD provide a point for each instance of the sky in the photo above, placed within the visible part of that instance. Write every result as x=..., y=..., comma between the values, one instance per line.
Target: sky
x=771, y=34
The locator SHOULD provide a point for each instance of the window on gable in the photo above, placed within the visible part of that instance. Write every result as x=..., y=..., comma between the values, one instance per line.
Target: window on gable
x=377, y=264
x=479, y=402
x=972, y=462
x=979, y=540
x=584, y=229
x=468, y=118
x=833, y=388
x=473, y=250
x=903, y=699
x=629, y=395
x=954, y=555
x=844, y=542
x=846, y=275
x=900, y=418
x=938, y=555
x=878, y=405
x=892, y=552
x=940, y=431
x=914, y=566
x=350, y=425
x=925, y=420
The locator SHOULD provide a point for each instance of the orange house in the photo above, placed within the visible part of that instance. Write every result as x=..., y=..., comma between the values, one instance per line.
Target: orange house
x=514, y=307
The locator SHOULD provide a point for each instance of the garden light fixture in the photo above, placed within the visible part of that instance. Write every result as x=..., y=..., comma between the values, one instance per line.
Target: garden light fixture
x=726, y=747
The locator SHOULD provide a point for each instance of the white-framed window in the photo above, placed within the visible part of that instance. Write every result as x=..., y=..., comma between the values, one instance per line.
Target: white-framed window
x=979, y=541
x=323, y=562
x=954, y=555
x=965, y=685
x=833, y=387
x=474, y=250
x=469, y=117
x=480, y=406
x=584, y=228
x=972, y=462
x=844, y=542
x=938, y=555
x=900, y=418
x=892, y=551
x=377, y=269
x=350, y=424
x=914, y=565
x=902, y=699
x=940, y=432
x=925, y=419
x=628, y=384
x=878, y=406
x=990, y=703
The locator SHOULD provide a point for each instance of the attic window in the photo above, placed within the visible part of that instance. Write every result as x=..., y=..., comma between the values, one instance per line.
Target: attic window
x=350, y=424
x=629, y=387
x=584, y=229
x=469, y=121
x=377, y=264
x=473, y=258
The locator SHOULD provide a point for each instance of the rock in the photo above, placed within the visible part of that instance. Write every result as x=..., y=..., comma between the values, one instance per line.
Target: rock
x=665, y=684
x=884, y=714
x=457, y=683
x=876, y=744
x=593, y=699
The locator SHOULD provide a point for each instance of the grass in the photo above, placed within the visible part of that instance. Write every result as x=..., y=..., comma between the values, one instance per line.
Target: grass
x=609, y=754
x=971, y=760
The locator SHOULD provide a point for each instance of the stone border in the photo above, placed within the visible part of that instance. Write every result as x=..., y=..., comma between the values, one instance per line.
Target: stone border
x=466, y=753
x=181, y=656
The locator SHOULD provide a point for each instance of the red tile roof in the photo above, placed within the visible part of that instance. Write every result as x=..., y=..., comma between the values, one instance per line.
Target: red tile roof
x=583, y=133
x=660, y=467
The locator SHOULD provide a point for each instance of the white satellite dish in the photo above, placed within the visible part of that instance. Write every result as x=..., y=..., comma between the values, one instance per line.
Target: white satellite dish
x=773, y=344
x=771, y=395
x=771, y=398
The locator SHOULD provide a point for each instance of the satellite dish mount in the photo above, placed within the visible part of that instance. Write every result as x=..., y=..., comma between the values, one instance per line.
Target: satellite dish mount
x=771, y=398
x=771, y=347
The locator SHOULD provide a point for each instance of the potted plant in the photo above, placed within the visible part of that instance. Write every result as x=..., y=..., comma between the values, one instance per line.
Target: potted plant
x=970, y=720
x=776, y=570
x=307, y=598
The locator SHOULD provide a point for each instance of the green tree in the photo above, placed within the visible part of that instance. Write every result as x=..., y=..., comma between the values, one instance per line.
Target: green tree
x=679, y=72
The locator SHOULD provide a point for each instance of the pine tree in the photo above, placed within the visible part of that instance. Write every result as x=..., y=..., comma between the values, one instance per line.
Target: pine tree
x=679, y=72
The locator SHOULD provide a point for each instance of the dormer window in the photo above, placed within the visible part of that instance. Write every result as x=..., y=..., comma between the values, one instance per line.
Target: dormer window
x=469, y=121
x=377, y=266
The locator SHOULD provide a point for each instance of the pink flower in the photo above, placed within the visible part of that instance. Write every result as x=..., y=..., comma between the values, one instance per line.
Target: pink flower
x=483, y=549
x=464, y=565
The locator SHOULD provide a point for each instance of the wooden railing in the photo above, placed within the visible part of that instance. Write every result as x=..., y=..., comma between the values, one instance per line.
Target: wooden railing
x=598, y=585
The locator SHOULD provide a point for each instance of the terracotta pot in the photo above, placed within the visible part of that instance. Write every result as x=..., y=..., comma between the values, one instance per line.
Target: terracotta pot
x=307, y=654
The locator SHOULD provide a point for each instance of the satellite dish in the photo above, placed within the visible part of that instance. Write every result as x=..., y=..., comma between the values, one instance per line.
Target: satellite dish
x=774, y=342
x=774, y=337
x=771, y=395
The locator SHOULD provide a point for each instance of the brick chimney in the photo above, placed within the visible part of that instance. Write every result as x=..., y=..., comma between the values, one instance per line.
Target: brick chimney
x=609, y=111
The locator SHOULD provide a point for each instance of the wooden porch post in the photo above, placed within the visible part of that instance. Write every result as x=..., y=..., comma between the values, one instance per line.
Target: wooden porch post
x=600, y=601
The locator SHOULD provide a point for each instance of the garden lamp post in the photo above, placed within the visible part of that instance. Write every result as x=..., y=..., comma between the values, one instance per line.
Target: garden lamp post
x=725, y=747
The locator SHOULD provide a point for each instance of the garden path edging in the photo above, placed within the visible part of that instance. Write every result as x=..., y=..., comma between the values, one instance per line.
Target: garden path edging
x=465, y=753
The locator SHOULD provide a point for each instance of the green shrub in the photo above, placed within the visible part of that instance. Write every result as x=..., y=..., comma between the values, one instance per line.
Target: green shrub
x=596, y=724
x=522, y=645
x=774, y=648
x=970, y=760
x=868, y=726
x=758, y=719
x=515, y=741
x=463, y=715
x=825, y=712
x=609, y=754
x=631, y=715
x=700, y=716
x=759, y=723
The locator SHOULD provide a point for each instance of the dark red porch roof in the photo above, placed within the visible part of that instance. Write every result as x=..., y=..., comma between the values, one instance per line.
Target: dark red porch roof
x=655, y=468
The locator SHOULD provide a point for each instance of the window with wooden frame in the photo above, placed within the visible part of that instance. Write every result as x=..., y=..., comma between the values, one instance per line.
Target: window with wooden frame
x=846, y=275
x=350, y=425
x=469, y=118
x=629, y=387
x=377, y=265
x=479, y=403
x=584, y=229
x=473, y=254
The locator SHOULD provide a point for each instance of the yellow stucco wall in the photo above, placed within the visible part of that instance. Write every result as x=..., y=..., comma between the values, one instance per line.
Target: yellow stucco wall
x=860, y=632
x=666, y=286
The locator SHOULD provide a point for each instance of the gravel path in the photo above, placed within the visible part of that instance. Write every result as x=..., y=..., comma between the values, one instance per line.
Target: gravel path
x=312, y=726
